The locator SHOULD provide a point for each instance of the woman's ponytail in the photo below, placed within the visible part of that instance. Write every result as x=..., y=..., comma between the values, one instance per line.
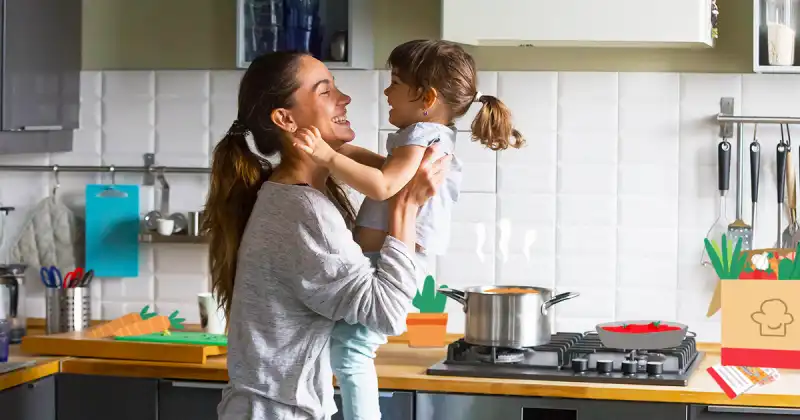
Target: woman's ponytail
x=236, y=176
x=493, y=128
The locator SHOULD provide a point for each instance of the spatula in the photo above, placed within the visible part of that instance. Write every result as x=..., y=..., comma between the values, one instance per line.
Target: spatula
x=739, y=229
x=717, y=229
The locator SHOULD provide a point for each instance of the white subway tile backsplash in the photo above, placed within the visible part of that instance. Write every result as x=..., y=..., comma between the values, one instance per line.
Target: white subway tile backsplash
x=610, y=197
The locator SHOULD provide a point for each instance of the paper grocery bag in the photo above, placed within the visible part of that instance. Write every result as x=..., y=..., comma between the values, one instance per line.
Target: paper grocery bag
x=774, y=256
x=761, y=323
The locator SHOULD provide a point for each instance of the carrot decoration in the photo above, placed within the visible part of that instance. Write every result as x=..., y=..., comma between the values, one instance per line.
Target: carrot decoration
x=108, y=329
x=151, y=325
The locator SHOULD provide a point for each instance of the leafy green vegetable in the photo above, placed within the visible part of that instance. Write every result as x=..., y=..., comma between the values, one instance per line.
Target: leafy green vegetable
x=430, y=301
x=175, y=322
x=146, y=315
x=788, y=269
x=728, y=264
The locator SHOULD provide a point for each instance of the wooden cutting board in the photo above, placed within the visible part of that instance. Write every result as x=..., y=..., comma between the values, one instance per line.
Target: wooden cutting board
x=77, y=345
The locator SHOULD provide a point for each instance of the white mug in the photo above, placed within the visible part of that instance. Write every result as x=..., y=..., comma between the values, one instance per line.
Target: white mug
x=212, y=317
x=165, y=226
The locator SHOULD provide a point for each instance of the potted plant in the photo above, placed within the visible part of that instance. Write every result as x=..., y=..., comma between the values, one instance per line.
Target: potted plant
x=428, y=328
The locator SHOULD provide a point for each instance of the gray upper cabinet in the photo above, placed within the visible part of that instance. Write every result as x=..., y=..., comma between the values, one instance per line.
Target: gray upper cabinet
x=41, y=65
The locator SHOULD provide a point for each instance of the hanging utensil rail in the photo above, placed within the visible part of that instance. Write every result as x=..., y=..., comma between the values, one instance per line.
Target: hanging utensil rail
x=149, y=169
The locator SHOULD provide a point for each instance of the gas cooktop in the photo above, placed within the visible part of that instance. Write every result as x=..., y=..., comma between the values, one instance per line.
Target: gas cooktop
x=573, y=357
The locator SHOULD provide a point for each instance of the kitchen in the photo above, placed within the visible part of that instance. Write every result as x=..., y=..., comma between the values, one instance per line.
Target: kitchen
x=620, y=171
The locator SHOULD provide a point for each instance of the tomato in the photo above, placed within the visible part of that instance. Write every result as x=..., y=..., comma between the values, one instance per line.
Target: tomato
x=758, y=275
x=642, y=328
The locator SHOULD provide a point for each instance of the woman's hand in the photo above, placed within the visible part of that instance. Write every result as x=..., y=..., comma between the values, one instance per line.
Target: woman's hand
x=426, y=181
x=310, y=141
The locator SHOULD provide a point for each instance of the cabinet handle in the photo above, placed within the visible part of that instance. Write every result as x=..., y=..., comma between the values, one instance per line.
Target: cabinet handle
x=202, y=385
x=41, y=128
x=753, y=410
x=381, y=394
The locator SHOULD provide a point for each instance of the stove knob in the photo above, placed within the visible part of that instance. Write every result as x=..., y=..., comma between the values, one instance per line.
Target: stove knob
x=580, y=365
x=604, y=366
x=655, y=368
x=629, y=367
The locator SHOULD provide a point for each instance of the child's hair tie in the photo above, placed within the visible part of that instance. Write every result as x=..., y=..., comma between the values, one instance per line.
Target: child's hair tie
x=478, y=96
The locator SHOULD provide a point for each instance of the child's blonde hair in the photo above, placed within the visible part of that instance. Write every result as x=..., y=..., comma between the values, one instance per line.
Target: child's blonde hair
x=447, y=68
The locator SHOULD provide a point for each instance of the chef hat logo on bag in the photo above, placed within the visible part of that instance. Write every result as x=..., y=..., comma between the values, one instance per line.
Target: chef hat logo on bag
x=773, y=318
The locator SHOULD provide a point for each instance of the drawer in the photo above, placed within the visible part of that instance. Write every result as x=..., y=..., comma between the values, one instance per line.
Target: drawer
x=730, y=412
x=395, y=405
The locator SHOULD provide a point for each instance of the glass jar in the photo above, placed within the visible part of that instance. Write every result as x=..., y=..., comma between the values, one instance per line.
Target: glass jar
x=781, y=31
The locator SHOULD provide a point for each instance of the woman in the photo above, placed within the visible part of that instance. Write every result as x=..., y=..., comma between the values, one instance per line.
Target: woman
x=283, y=236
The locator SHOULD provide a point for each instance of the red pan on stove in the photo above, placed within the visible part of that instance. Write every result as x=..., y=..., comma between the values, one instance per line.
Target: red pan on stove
x=642, y=335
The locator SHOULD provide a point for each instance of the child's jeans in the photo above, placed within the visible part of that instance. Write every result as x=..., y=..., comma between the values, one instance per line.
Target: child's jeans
x=352, y=359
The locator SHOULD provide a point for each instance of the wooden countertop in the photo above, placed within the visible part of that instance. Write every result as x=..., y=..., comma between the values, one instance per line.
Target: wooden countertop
x=402, y=368
x=45, y=366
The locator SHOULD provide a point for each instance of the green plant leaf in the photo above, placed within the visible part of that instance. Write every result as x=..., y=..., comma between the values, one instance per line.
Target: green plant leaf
x=714, y=257
x=785, y=268
x=738, y=260
x=175, y=322
x=796, y=270
x=146, y=315
x=716, y=247
x=725, y=261
x=430, y=301
x=730, y=257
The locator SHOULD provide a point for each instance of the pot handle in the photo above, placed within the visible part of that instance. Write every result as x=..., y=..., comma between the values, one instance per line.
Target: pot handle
x=558, y=299
x=456, y=295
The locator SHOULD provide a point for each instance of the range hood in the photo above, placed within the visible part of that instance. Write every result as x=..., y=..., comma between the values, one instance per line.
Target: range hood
x=579, y=23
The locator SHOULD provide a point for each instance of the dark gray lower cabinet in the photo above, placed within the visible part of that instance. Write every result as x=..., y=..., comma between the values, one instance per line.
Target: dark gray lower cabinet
x=31, y=401
x=479, y=407
x=90, y=397
x=395, y=405
x=727, y=412
x=182, y=400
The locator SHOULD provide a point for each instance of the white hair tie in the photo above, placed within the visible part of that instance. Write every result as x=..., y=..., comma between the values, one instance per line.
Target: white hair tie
x=478, y=96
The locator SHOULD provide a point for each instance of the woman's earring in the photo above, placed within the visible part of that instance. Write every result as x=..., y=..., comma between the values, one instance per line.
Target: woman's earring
x=425, y=112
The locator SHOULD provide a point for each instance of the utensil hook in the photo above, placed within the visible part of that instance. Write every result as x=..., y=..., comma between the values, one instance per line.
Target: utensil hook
x=110, y=191
x=783, y=140
x=755, y=130
x=58, y=182
x=164, y=204
x=788, y=136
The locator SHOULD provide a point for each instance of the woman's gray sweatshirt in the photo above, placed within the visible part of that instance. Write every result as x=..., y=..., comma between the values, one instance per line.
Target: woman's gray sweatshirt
x=299, y=271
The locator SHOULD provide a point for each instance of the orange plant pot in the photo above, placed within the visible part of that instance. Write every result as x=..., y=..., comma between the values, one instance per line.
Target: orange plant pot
x=426, y=330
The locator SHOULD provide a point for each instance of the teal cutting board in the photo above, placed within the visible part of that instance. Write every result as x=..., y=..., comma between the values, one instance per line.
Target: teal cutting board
x=112, y=231
x=176, y=337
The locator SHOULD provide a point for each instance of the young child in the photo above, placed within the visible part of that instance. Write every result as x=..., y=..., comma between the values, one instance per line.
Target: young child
x=433, y=84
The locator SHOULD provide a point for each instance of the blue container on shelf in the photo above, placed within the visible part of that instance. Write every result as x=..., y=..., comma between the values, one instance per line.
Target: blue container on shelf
x=302, y=25
x=264, y=29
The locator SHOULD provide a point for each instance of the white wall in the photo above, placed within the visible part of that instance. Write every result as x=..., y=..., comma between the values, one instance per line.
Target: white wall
x=611, y=197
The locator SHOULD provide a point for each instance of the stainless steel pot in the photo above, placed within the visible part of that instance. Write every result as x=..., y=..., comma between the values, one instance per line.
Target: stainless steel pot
x=512, y=320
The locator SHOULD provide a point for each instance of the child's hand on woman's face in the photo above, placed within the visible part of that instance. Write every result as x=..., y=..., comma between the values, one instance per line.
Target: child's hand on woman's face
x=310, y=141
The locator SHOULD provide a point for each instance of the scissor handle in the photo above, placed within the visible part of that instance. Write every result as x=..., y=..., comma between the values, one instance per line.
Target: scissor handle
x=73, y=279
x=51, y=276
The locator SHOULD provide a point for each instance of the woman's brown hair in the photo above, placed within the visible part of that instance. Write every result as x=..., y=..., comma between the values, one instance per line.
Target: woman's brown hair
x=447, y=68
x=237, y=173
